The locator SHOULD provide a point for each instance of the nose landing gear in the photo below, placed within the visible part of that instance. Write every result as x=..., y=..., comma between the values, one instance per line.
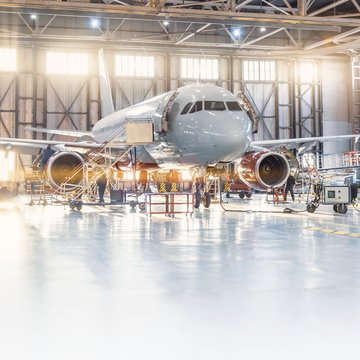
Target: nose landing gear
x=202, y=196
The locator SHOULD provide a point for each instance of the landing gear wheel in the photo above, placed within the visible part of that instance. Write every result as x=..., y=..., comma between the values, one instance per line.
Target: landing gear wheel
x=142, y=206
x=248, y=194
x=341, y=208
x=335, y=208
x=132, y=204
x=311, y=208
x=241, y=194
x=197, y=199
x=206, y=200
x=74, y=204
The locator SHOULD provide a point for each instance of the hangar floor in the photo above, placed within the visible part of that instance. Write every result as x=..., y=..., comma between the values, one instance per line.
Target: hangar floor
x=105, y=283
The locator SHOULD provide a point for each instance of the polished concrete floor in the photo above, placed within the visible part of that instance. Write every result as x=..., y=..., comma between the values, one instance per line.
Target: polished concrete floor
x=107, y=283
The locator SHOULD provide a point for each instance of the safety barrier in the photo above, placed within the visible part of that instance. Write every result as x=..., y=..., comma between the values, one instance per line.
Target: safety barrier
x=169, y=203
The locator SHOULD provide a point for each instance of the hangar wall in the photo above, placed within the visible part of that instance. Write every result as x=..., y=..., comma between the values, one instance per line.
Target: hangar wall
x=336, y=95
x=292, y=103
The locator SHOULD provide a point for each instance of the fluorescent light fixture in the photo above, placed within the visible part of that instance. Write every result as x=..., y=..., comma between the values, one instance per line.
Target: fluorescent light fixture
x=262, y=29
x=236, y=32
x=95, y=23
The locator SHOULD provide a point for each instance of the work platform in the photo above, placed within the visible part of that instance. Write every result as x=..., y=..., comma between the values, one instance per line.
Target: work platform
x=346, y=160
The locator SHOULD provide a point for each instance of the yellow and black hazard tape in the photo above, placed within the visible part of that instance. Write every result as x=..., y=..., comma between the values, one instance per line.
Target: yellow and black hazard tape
x=162, y=187
x=333, y=231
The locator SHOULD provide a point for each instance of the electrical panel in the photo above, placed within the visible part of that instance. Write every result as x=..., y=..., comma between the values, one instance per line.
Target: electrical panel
x=337, y=194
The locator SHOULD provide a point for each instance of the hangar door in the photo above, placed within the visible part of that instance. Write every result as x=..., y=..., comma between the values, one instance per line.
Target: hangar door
x=71, y=91
x=138, y=77
x=285, y=94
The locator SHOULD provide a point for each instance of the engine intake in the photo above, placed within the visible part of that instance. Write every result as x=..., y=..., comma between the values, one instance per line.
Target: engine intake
x=65, y=170
x=263, y=170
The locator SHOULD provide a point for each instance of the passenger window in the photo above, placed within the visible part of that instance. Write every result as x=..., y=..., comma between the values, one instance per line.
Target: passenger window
x=186, y=108
x=233, y=106
x=214, y=105
x=196, y=107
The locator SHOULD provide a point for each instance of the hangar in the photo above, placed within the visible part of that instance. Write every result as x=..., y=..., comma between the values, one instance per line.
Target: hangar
x=251, y=276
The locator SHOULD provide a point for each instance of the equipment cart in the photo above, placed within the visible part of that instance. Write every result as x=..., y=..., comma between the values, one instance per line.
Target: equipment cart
x=339, y=196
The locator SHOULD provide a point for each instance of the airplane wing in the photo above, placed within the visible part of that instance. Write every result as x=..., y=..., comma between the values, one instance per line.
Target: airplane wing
x=32, y=146
x=73, y=133
x=300, y=141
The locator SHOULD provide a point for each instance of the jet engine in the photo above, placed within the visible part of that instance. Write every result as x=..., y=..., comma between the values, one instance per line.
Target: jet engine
x=65, y=170
x=263, y=169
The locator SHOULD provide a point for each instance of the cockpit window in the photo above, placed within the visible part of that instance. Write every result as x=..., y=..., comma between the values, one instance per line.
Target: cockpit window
x=214, y=105
x=198, y=106
x=233, y=106
x=186, y=108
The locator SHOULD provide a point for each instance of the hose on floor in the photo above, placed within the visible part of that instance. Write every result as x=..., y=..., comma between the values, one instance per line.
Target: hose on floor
x=284, y=211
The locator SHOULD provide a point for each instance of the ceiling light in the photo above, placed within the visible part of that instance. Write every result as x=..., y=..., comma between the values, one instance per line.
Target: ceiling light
x=165, y=23
x=33, y=16
x=236, y=32
x=95, y=23
x=262, y=29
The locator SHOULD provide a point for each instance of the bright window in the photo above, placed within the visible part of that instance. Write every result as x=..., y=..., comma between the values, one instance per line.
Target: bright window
x=307, y=72
x=7, y=59
x=7, y=166
x=263, y=70
x=63, y=63
x=134, y=65
x=195, y=68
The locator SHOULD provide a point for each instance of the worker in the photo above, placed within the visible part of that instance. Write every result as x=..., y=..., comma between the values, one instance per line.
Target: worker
x=45, y=156
x=101, y=183
x=354, y=192
x=290, y=183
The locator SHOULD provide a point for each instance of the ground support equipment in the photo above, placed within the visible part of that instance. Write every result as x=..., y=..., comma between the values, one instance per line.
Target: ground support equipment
x=169, y=204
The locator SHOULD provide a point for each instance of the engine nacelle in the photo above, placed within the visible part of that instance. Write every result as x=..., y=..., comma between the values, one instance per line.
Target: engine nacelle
x=65, y=170
x=262, y=170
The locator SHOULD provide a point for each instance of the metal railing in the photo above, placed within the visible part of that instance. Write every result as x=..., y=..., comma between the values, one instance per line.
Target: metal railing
x=350, y=159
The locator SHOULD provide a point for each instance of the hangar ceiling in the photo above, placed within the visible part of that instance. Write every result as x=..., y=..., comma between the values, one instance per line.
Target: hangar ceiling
x=281, y=27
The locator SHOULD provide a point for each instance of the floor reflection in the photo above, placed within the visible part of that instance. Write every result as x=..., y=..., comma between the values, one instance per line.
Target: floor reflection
x=110, y=283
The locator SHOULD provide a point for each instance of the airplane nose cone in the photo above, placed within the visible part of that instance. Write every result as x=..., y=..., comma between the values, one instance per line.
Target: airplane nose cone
x=236, y=138
x=210, y=137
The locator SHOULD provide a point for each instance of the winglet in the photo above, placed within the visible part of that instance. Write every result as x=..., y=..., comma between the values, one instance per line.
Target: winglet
x=107, y=105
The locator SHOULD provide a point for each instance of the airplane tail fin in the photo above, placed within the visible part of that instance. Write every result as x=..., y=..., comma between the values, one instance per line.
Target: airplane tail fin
x=107, y=105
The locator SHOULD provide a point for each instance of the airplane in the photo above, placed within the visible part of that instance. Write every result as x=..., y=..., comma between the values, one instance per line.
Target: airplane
x=198, y=127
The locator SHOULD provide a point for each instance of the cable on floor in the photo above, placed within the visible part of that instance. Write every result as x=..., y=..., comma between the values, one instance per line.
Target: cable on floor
x=284, y=211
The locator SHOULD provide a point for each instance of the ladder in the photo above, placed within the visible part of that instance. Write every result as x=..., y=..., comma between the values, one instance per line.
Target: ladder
x=214, y=188
x=99, y=158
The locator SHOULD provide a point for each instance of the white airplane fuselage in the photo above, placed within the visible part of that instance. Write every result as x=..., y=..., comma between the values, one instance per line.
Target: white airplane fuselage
x=206, y=125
